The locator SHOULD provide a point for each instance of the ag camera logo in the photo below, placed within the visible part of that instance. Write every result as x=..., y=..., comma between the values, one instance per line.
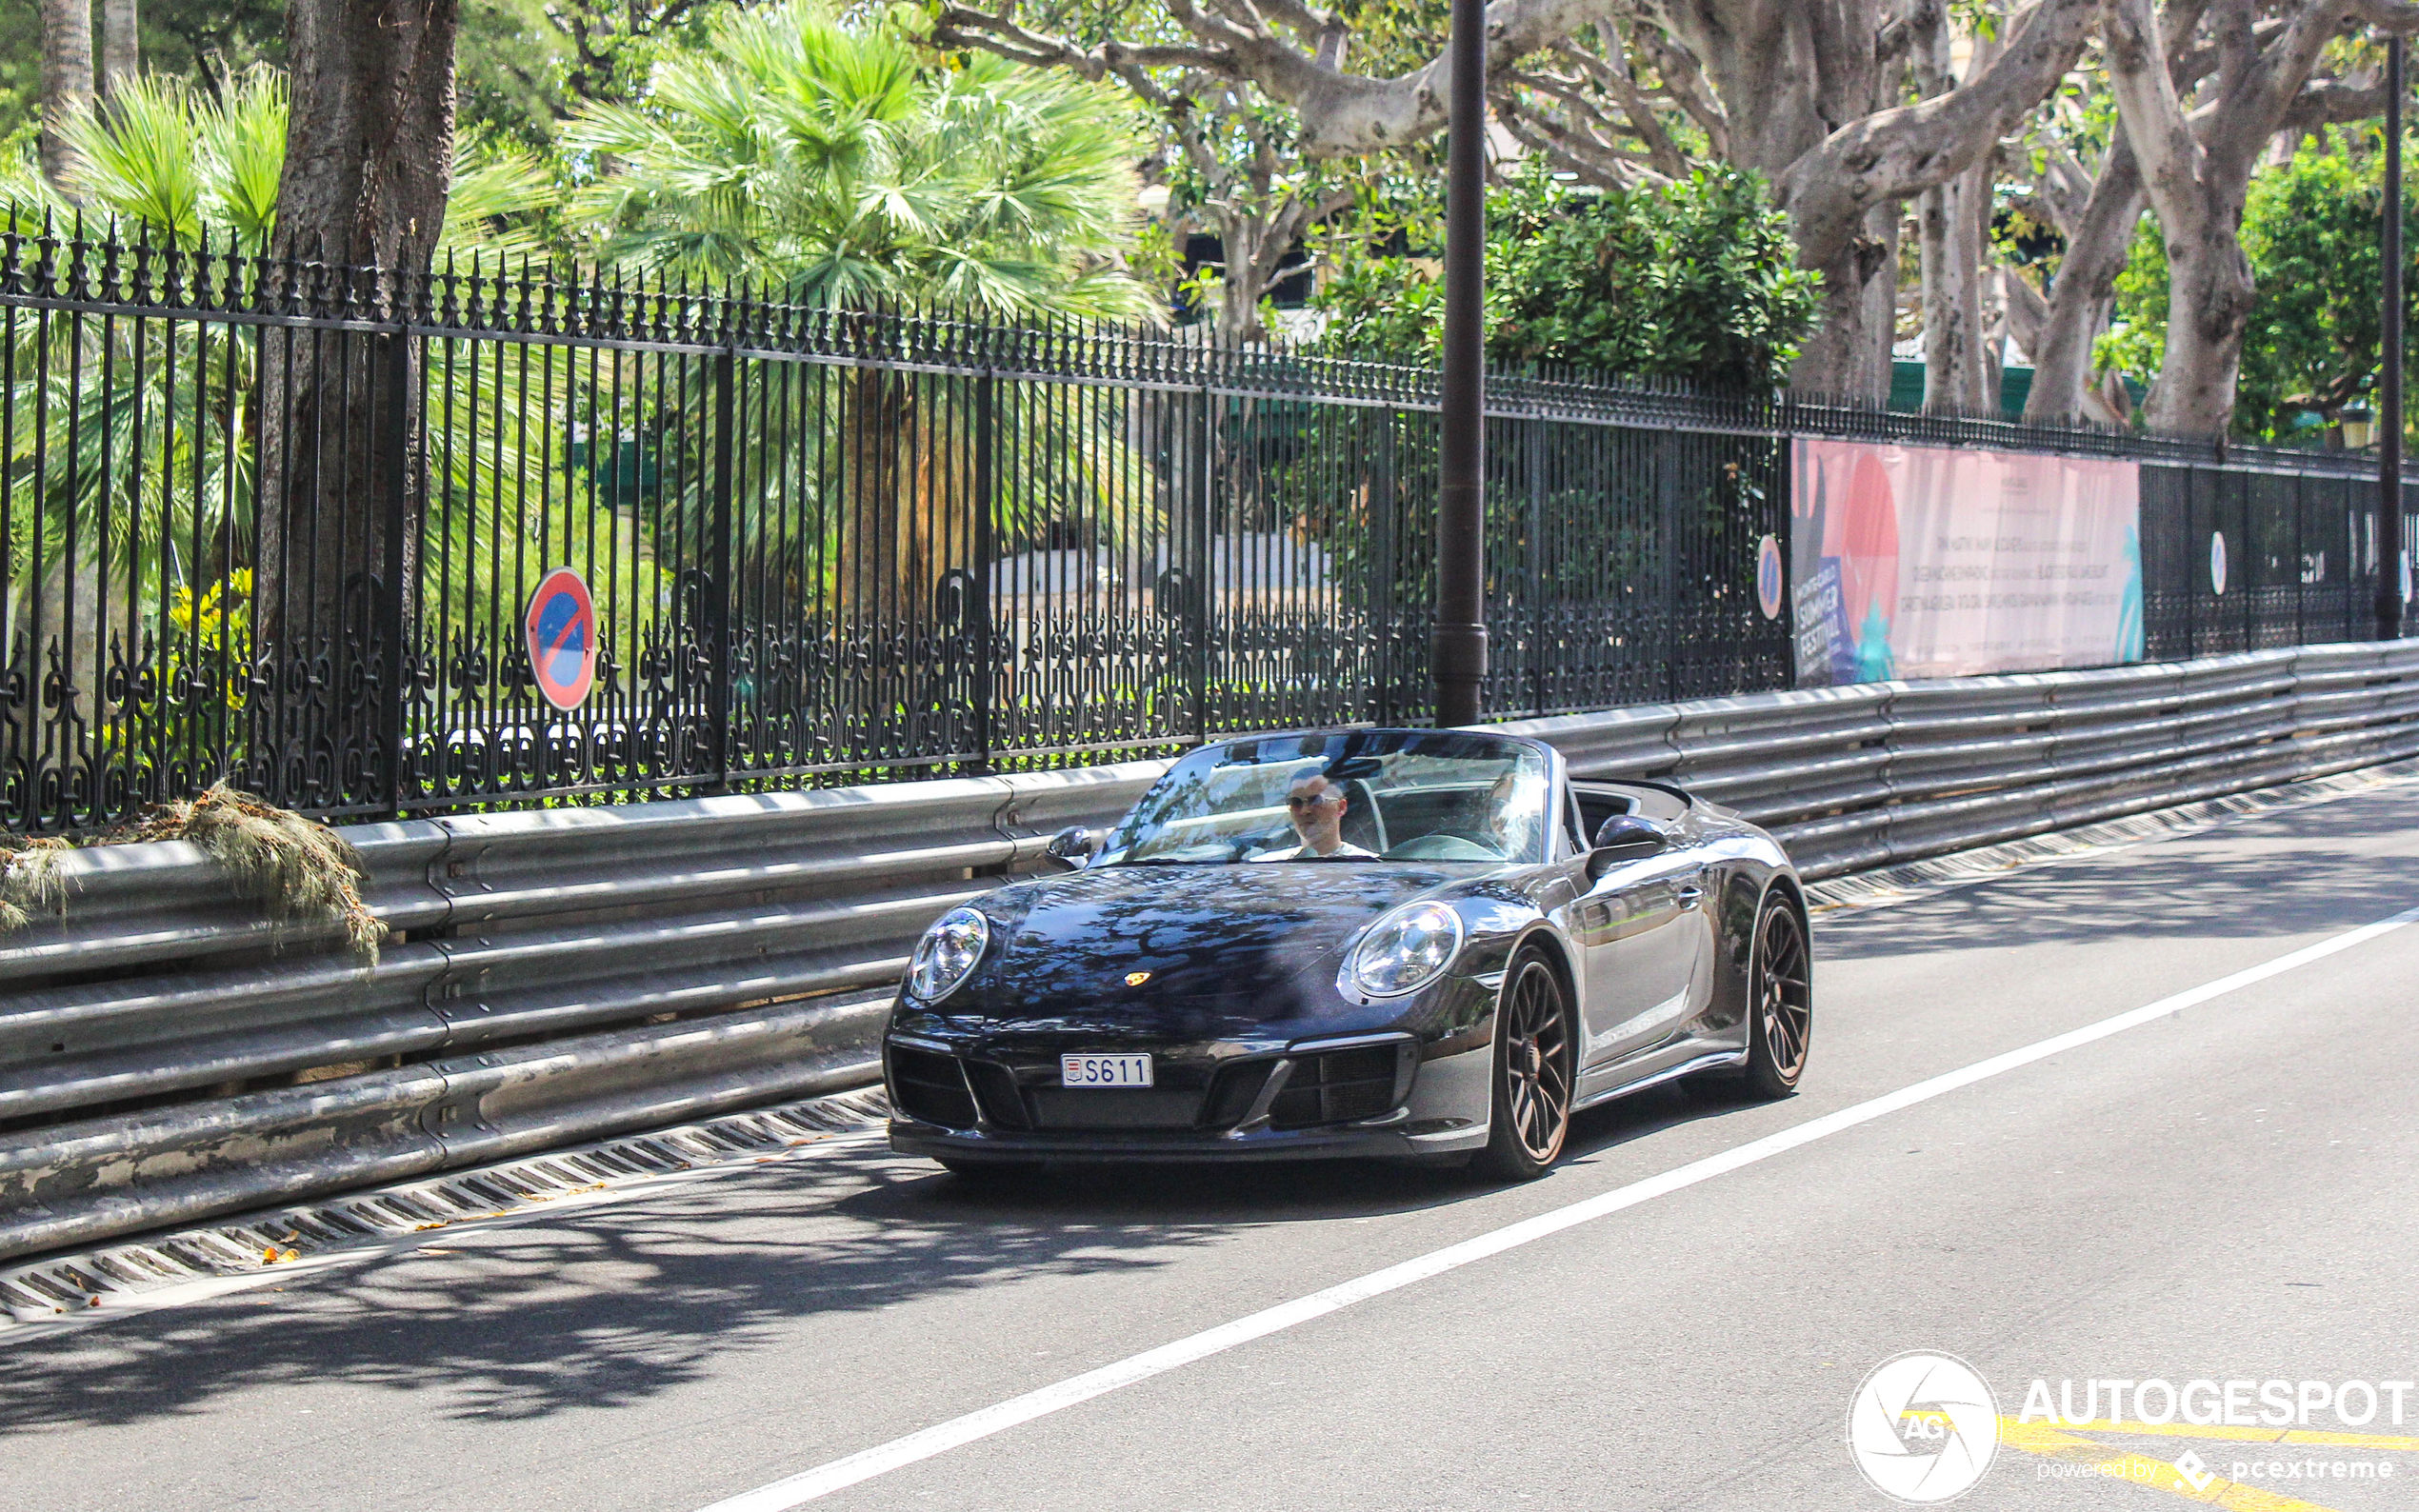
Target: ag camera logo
x=1923, y=1428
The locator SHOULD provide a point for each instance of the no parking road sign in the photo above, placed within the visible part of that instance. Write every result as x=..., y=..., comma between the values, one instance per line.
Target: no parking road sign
x=562, y=635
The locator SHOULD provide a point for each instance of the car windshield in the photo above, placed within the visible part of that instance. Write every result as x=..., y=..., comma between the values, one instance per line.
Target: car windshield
x=1370, y=796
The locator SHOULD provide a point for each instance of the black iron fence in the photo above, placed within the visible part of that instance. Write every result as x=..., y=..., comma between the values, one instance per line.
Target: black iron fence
x=279, y=521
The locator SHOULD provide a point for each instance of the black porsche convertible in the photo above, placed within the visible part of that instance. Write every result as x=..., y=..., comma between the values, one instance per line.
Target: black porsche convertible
x=1404, y=942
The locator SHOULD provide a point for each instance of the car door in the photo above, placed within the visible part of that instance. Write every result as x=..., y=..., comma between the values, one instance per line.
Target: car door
x=1641, y=931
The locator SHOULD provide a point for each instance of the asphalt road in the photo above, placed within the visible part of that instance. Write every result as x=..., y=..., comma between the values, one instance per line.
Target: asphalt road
x=2223, y=1194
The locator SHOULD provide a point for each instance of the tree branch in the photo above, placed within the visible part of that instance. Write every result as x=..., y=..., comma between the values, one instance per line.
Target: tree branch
x=1894, y=155
x=2163, y=142
x=2387, y=15
x=2332, y=101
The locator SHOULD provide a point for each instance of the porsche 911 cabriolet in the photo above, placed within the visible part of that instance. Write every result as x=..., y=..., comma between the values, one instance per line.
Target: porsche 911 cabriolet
x=1420, y=943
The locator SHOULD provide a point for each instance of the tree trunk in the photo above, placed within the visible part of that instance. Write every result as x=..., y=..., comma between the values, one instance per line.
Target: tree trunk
x=1847, y=354
x=1950, y=226
x=66, y=81
x=2097, y=250
x=1809, y=102
x=2197, y=157
x=1806, y=92
x=1254, y=247
x=897, y=542
x=368, y=154
x=1240, y=284
x=370, y=136
x=2210, y=296
x=121, y=46
x=1993, y=284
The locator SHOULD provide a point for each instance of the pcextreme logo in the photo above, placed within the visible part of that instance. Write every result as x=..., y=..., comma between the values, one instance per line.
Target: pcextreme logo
x=1923, y=1427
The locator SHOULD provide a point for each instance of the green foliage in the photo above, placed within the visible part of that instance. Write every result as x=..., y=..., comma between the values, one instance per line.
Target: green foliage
x=2134, y=345
x=140, y=434
x=1384, y=309
x=1698, y=280
x=526, y=66
x=209, y=42
x=2310, y=232
x=169, y=160
x=834, y=163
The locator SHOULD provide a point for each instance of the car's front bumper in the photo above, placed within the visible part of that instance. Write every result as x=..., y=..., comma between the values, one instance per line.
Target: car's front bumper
x=978, y=1097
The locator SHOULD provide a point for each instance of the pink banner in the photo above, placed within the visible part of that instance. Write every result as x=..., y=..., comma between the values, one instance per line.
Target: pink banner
x=1933, y=562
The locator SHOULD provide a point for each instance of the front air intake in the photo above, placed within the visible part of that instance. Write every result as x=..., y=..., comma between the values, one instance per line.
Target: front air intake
x=1337, y=1086
x=929, y=1087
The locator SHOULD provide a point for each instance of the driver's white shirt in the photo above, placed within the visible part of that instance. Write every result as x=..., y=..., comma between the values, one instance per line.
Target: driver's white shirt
x=1304, y=853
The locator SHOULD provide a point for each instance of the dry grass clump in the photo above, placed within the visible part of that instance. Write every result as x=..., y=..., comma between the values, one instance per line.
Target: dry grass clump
x=30, y=879
x=302, y=871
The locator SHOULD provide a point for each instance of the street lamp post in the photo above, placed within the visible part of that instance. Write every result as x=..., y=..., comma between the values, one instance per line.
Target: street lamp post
x=1458, y=652
x=2390, y=542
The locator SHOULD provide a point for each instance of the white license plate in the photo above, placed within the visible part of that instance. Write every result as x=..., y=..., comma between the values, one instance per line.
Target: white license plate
x=1104, y=1070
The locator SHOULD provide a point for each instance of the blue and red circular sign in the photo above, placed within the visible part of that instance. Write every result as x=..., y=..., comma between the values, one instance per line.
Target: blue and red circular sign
x=1768, y=577
x=562, y=635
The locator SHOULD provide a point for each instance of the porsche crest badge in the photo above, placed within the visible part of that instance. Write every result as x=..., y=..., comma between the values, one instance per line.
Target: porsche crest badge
x=1135, y=979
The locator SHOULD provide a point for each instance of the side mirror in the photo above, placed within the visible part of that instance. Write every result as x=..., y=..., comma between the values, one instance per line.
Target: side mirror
x=1625, y=836
x=1072, y=846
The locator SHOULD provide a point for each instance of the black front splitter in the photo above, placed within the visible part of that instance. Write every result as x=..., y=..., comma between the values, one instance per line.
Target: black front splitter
x=911, y=1138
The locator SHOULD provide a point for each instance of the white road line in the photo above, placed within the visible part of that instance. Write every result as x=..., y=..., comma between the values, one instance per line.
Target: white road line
x=837, y=1475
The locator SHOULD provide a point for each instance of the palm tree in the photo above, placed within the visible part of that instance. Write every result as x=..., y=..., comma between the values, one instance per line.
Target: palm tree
x=67, y=77
x=134, y=439
x=835, y=167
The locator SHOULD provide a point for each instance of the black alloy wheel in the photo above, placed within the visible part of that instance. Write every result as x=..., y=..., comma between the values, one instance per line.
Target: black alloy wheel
x=1780, y=1001
x=1533, y=1061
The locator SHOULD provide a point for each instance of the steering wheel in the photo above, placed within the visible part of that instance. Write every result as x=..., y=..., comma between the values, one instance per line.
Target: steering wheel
x=1243, y=845
x=1445, y=845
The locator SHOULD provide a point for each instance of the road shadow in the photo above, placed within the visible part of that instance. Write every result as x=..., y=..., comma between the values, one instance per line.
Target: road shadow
x=616, y=1306
x=2291, y=873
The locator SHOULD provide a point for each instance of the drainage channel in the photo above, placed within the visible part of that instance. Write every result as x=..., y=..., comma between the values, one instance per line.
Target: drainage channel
x=193, y=1263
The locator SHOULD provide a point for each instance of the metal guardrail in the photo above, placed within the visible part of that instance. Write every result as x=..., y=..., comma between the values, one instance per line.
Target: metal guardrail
x=1851, y=778
x=568, y=974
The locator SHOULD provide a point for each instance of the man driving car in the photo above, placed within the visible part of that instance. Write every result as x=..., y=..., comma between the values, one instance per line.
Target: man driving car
x=1316, y=806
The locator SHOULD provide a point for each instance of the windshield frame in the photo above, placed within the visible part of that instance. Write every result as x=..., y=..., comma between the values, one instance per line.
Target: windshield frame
x=1293, y=748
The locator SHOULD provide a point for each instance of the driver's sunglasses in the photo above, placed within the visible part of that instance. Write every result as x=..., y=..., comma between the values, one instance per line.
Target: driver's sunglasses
x=1309, y=799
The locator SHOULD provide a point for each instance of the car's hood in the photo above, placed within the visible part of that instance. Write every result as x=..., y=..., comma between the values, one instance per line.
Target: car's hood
x=1222, y=945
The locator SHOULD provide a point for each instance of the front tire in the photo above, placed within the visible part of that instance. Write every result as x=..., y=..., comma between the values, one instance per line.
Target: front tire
x=1534, y=1054
x=1780, y=1006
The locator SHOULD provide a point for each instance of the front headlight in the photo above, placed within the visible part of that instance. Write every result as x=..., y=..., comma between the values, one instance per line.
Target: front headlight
x=1405, y=951
x=947, y=954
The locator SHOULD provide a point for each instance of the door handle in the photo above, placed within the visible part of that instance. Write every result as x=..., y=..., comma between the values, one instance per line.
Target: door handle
x=1689, y=894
